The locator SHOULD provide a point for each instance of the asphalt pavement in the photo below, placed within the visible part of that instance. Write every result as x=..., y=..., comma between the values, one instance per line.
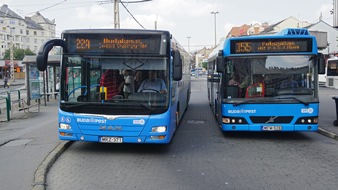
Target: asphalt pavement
x=28, y=150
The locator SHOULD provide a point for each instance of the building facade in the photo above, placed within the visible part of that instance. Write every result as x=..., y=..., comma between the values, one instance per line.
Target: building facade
x=24, y=33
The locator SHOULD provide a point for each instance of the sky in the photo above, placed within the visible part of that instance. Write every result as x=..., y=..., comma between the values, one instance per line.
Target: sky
x=190, y=21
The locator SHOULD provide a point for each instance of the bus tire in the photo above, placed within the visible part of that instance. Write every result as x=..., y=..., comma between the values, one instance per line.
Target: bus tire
x=335, y=122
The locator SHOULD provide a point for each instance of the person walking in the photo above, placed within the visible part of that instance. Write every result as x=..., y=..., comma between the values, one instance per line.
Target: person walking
x=6, y=82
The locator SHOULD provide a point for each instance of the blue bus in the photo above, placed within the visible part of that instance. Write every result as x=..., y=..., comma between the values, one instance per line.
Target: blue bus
x=266, y=82
x=93, y=105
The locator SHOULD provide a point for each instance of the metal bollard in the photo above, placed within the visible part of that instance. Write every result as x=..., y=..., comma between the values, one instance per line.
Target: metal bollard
x=335, y=122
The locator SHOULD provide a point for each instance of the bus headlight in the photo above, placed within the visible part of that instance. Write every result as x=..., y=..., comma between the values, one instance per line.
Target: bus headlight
x=159, y=129
x=233, y=120
x=65, y=126
x=307, y=120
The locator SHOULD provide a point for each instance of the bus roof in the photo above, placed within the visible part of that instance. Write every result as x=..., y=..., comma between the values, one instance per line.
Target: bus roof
x=115, y=31
x=288, y=41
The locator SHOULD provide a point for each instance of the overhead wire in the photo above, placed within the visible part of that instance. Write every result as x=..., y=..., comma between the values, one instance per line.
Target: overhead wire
x=132, y=15
x=56, y=4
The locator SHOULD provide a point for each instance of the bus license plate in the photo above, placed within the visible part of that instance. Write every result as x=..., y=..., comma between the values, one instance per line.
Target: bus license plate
x=111, y=140
x=272, y=128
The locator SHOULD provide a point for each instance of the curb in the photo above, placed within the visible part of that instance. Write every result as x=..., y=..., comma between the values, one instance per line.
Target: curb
x=39, y=182
x=327, y=133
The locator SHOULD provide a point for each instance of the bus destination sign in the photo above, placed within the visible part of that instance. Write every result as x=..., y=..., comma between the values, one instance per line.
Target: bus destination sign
x=271, y=45
x=114, y=43
x=107, y=43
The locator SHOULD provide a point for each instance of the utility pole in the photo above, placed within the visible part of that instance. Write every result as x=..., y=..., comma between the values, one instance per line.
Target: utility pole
x=156, y=22
x=214, y=13
x=335, y=14
x=188, y=43
x=116, y=14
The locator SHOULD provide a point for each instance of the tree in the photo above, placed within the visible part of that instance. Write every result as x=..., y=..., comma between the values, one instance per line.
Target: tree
x=205, y=65
x=18, y=54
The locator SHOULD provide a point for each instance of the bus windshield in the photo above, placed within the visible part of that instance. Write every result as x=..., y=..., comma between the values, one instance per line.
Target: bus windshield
x=269, y=76
x=110, y=84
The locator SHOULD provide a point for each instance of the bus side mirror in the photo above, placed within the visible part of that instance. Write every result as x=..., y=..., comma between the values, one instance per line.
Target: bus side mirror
x=41, y=62
x=42, y=57
x=220, y=64
x=177, y=66
x=321, y=64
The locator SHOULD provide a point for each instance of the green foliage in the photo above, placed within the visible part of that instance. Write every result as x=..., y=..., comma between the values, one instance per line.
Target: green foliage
x=204, y=65
x=18, y=54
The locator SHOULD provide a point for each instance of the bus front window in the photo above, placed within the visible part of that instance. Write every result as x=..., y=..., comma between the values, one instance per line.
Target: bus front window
x=268, y=76
x=108, y=84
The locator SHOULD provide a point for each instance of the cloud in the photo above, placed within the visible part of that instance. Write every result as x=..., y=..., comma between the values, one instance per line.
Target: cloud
x=227, y=27
x=325, y=10
x=148, y=22
x=179, y=8
x=95, y=14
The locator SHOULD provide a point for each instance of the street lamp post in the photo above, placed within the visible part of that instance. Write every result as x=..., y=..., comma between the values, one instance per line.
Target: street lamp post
x=188, y=43
x=214, y=13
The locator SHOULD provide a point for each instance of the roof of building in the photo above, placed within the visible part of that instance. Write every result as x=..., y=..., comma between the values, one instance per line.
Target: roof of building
x=239, y=31
x=6, y=12
x=41, y=19
x=32, y=24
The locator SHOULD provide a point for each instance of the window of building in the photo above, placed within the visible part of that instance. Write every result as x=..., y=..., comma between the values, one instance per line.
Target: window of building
x=35, y=33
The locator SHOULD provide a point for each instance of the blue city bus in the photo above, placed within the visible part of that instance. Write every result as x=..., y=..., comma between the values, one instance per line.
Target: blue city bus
x=93, y=108
x=266, y=82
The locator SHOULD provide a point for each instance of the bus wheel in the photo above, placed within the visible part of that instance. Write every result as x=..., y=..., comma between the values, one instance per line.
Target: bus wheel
x=335, y=122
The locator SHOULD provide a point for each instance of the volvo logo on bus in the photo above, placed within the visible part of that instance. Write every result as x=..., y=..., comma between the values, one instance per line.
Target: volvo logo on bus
x=271, y=119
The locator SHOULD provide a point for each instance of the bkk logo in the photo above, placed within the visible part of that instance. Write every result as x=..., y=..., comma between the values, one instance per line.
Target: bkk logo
x=309, y=110
x=139, y=122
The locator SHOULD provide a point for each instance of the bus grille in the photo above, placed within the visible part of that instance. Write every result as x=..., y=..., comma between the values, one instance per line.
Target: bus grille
x=271, y=119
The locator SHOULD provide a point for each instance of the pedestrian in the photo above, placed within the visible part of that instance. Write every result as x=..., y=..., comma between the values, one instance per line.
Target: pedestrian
x=6, y=82
x=128, y=87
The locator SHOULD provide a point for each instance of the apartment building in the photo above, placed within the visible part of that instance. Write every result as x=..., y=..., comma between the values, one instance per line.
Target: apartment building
x=24, y=33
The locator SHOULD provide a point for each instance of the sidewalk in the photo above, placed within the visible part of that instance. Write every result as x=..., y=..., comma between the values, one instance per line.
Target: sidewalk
x=28, y=143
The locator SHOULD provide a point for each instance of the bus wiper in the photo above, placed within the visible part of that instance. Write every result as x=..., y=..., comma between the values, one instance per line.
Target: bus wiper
x=78, y=104
x=299, y=100
x=244, y=102
x=144, y=105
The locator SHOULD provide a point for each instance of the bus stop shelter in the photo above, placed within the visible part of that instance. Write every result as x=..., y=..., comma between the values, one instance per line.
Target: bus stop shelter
x=41, y=84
